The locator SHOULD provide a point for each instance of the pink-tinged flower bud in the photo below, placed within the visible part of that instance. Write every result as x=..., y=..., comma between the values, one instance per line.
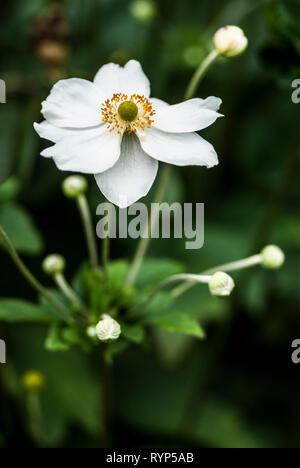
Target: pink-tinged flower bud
x=230, y=41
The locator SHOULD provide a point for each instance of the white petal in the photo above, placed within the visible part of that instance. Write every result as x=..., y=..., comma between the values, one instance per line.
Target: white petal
x=212, y=103
x=189, y=116
x=181, y=149
x=90, y=150
x=132, y=176
x=158, y=103
x=73, y=103
x=111, y=79
x=50, y=132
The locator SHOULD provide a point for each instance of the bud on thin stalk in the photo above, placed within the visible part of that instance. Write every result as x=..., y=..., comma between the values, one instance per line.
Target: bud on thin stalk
x=230, y=41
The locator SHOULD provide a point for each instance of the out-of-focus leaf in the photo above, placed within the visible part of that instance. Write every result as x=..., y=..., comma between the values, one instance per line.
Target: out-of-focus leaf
x=176, y=321
x=284, y=16
x=154, y=270
x=17, y=310
x=134, y=333
x=55, y=340
x=20, y=229
x=9, y=189
x=160, y=312
x=9, y=115
x=172, y=347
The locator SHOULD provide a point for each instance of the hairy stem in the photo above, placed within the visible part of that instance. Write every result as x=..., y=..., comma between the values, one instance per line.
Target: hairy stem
x=88, y=230
x=67, y=290
x=145, y=239
x=204, y=279
x=31, y=279
x=238, y=265
x=199, y=74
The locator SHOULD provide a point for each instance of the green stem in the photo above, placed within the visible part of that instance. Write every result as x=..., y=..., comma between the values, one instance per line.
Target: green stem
x=31, y=279
x=238, y=265
x=204, y=279
x=35, y=419
x=106, y=400
x=88, y=229
x=68, y=291
x=145, y=239
x=199, y=74
x=106, y=249
x=152, y=221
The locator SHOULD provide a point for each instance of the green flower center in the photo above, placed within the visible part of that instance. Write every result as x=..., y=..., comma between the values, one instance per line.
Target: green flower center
x=128, y=111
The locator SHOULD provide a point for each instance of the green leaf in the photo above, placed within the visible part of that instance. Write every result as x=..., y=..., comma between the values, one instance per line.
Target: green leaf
x=17, y=310
x=134, y=333
x=55, y=341
x=20, y=229
x=9, y=189
x=160, y=312
x=154, y=270
x=176, y=321
x=284, y=16
x=117, y=271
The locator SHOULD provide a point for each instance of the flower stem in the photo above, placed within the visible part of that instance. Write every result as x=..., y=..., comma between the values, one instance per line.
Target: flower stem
x=106, y=400
x=67, y=290
x=204, y=279
x=31, y=279
x=199, y=73
x=238, y=265
x=106, y=248
x=35, y=419
x=88, y=229
x=145, y=239
x=152, y=221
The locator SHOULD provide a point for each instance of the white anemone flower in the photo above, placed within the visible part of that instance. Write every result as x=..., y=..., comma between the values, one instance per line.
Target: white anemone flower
x=111, y=128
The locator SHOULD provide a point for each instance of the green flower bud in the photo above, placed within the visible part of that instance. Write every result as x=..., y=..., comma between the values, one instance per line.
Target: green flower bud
x=33, y=381
x=108, y=329
x=143, y=10
x=221, y=284
x=272, y=257
x=230, y=41
x=74, y=186
x=54, y=264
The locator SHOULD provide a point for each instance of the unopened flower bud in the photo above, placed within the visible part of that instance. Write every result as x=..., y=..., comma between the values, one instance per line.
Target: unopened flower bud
x=221, y=284
x=54, y=264
x=272, y=257
x=143, y=10
x=74, y=186
x=91, y=331
x=33, y=381
x=108, y=329
x=230, y=41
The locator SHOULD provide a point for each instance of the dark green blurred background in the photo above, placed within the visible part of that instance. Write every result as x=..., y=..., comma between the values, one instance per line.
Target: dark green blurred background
x=238, y=388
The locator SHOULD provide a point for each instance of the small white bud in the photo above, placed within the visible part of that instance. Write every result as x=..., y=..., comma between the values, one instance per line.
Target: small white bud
x=54, y=264
x=272, y=257
x=74, y=186
x=221, y=284
x=230, y=41
x=91, y=331
x=108, y=329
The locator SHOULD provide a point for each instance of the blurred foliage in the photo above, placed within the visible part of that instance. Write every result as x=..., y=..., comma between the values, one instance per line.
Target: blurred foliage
x=237, y=388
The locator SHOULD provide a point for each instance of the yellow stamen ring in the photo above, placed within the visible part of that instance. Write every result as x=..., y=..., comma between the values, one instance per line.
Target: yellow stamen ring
x=131, y=115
